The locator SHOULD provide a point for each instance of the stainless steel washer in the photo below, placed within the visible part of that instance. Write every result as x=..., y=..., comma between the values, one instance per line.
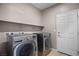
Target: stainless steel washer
x=22, y=44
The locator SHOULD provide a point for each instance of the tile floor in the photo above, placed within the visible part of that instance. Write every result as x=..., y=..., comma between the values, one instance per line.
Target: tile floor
x=56, y=53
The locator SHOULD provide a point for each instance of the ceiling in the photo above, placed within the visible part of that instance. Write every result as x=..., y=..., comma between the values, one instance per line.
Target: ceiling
x=42, y=6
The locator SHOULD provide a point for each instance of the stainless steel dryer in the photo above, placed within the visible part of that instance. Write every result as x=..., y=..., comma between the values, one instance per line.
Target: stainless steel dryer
x=43, y=43
x=22, y=44
x=46, y=43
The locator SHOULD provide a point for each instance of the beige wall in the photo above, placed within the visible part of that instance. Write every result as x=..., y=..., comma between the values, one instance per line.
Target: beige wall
x=20, y=12
x=49, y=18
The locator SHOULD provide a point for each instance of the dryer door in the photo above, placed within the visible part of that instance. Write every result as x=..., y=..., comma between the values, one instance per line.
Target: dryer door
x=26, y=49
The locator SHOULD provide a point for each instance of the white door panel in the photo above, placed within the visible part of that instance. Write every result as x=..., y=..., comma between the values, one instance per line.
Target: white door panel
x=67, y=33
x=66, y=46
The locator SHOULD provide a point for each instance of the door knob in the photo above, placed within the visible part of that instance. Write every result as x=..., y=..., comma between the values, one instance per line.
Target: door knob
x=59, y=34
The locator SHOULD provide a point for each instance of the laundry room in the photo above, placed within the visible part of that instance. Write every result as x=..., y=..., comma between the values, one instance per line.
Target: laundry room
x=39, y=29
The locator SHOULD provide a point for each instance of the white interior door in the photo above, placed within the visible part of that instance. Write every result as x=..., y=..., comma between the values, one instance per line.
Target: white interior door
x=67, y=32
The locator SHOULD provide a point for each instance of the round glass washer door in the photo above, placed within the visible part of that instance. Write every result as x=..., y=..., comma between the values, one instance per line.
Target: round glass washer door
x=26, y=49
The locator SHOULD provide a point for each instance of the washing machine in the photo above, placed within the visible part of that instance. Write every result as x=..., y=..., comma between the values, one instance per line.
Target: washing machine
x=21, y=44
